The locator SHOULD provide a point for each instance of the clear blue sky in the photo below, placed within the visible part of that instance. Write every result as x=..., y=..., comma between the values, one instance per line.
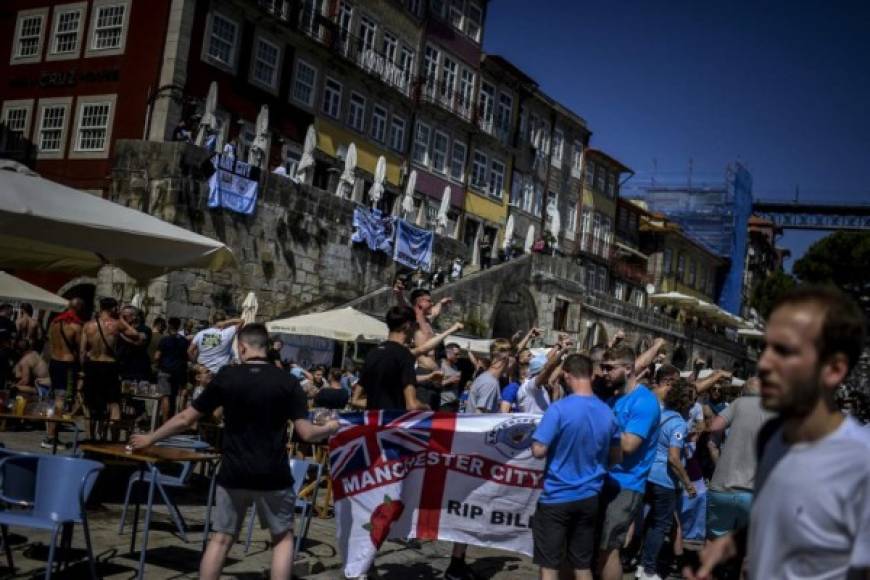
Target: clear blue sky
x=783, y=87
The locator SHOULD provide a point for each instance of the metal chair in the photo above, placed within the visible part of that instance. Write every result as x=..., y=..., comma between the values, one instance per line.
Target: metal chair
x=300, y=469
x=57, y=501
x=20, y=481
x=163, y=481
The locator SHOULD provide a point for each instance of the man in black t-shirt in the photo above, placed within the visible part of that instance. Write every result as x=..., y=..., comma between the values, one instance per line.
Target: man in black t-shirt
x=257, y=399
x=132, y=353
x=171, y=359
x=388, y=377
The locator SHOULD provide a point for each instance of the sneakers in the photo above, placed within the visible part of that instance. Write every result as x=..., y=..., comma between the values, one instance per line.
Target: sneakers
x=645, y=576
x=49, y=443
x=460, y=571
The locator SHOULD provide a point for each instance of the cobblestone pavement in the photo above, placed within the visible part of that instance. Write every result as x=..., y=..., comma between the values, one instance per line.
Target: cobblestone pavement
x=169, y=556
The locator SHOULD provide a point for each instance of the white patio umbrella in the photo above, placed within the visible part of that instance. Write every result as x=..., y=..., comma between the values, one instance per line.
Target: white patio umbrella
x=258, y=153
x=208, y=123
x=305, y=169
x=421, y=214
x=408, y=198
x=249, y=308
x=137, y=300
x=14, y=289
x=376, y=191
x=508, y=233
x=555, y=220
x=47, y=226
x=530, y=240
x=343, y=324
x=348, y=176
x=442, y=218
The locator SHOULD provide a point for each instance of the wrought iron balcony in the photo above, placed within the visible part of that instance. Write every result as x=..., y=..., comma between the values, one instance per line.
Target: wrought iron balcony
x=452, y=101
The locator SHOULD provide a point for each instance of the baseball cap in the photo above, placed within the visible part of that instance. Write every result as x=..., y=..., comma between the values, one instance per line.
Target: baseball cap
x=297, y=372
x=537, y=364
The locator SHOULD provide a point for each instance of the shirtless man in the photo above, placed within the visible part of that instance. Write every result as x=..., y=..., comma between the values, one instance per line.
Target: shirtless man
x=102, y=388
x=64, y=338
x=33, y=376
x=27, y=326
x=428, y=371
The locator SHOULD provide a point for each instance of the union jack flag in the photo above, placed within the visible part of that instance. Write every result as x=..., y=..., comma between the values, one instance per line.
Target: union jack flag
x=374, y=437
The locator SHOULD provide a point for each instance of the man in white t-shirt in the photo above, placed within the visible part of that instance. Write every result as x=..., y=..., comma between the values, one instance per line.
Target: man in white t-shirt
x=213, y=347
x=533, y=395
x=811, y=514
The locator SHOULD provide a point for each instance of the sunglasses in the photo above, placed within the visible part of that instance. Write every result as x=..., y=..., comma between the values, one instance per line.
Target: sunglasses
x=610, y=366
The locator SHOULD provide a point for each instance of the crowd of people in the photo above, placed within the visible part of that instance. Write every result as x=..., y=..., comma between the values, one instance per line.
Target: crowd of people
x=640, y=457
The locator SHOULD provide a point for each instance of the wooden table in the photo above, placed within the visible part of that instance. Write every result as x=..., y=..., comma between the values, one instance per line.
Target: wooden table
x=149, y=458
x=45, y=419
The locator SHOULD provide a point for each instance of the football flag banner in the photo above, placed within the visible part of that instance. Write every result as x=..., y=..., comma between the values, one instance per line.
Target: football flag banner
x=413, y=246
x=233, y=185
x=435, y=476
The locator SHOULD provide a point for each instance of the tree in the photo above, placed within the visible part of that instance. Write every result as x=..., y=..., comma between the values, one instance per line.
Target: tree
x=841, y=259
x=769, y=291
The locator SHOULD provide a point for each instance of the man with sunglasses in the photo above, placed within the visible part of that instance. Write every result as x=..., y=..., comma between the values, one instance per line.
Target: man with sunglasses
x=637, y=415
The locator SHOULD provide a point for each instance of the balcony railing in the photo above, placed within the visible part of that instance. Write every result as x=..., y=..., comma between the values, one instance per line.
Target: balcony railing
x=372, y=61
x=630, y=311
x=452, y=101
x=624, y=269
x=594, y=245
x=491, y=127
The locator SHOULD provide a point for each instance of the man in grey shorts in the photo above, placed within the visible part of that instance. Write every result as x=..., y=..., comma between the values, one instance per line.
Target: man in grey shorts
x=258, y=399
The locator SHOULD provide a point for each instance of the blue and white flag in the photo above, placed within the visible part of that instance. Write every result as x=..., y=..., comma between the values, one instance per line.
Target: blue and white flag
x=233, y=185
x=413, y=246
x=372, y=228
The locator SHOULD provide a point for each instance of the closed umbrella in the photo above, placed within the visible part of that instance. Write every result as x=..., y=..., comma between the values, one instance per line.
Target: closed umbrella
x=530, y=240
x=249, y=308
x=377, y=189
x=348, y=176
x=475, y=252
x=47, y=226
x=421, y=214
x=442, y=211
x=408, y=198
x=208, y=123
x=305, y=169
x=137, y=300
x=259, y=149
x=555, y=220
x=508, y=234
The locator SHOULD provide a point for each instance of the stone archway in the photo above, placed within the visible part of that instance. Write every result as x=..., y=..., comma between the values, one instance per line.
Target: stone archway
x=514, y=312
x=84, y=288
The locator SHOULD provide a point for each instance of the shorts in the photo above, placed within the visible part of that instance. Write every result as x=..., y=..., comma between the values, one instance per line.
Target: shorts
x=63, y=374
x=573, y=522
x=619, y=507
x=102, y=386
x=168, y=384
x=727, y=511
x=275, y=508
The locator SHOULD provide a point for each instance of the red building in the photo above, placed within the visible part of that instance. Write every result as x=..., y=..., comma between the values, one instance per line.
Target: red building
x=76, y=76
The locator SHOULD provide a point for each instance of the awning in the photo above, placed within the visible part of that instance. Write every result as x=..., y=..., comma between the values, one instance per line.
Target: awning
x=48, y=226
x=675, y=298
x=14, y=289
x=629, y=250
x=342, y=324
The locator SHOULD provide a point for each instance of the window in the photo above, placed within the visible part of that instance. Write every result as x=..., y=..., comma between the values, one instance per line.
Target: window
x=596, y=233
x=681, y=266
x=367, y=31
x=332, y=98
x=222, y=40
x=108, y=26
x=438, y=7
x=600, y=178
x=391, y=46
x=356, y=114
x=414, y=7
x=28, y=35
x=345, y=17
x=611, y=185
x=266, y=56
x=16, y=117
x=478, y=170
x=586, y=231
x=496, y=179
x=397, y=134
x=601, y=279
x=486, y=105
x=421, y=144
x=456, y=13
x=466, y=91
x=93, y=125
x=430, y=69
x=619, y=290
x=52, y=124
x=572, y=220
x=558, y=143
x=538, y=204
x=590, y=174
x=406, y=65
x=448, y=80
x=711, y=280
x=67, y=31
x=667, y=261
x=291, y=162
x=577, y=160
x=606, y=236
x=560, y=315
x=692, y=273
x=439, y=152
x=304, y=82
x=505, y=108
x=457, y=161
x=473, y=20
x=379, y=123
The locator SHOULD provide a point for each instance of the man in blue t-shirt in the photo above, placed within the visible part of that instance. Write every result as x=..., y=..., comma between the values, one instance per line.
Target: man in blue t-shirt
x=579, y=437
x=637, y=414
x=667, y=473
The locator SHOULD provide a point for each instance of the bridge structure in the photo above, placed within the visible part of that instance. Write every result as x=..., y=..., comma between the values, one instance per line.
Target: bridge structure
x=814, y=215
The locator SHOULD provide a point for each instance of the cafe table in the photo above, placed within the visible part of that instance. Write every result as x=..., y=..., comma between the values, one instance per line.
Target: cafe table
x=149, y=459
x=46, y=419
